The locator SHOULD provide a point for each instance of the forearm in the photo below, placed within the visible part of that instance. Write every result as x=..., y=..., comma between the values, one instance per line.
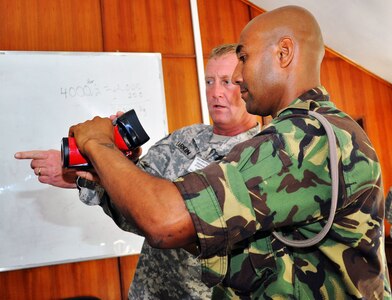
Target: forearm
x=154, y=204
x=116, y=215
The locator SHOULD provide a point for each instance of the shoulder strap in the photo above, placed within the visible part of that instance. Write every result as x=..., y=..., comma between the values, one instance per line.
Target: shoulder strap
x=333, y=160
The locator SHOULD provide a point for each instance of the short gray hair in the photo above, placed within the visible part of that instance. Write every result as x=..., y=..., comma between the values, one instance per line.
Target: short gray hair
x=222, y=50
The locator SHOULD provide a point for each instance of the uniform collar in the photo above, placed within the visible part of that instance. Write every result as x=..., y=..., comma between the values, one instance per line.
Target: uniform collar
x=308, y=101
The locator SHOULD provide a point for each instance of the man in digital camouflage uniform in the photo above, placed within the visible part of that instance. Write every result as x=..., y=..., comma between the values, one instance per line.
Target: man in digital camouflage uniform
x=278, y=181
x=175, y=273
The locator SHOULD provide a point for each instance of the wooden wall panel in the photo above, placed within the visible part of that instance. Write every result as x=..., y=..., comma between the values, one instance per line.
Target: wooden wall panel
x=181, y=91
x=221, y=21
x=362, y=95
x=47, y=25
x=127, y=270
x=163, y=26
x=254, y=11
x=98, y=278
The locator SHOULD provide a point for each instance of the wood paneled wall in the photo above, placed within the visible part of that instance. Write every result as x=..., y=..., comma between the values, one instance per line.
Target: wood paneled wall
x=163, y=26
x=68, y=25
x=365, y=96
x=98, y=278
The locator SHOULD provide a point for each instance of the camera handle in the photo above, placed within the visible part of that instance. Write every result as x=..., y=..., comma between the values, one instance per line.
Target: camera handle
x=333, y=161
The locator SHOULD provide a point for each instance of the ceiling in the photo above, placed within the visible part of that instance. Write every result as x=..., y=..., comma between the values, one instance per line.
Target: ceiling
x=360, y=30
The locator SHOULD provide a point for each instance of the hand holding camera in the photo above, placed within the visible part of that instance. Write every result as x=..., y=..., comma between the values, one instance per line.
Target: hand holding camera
x=128, y=135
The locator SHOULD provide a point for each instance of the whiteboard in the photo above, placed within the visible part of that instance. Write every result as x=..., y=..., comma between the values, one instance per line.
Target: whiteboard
x=41, y=95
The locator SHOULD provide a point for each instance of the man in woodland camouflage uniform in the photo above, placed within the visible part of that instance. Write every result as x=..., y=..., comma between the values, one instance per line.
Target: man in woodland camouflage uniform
x=175, y=273
x=279, y=181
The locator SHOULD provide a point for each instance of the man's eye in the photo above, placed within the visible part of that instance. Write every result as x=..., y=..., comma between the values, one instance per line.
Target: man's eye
x=209, y=82
x=242, y=58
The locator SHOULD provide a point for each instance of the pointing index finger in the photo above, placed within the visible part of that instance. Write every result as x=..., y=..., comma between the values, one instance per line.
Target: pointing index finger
x=32, y=154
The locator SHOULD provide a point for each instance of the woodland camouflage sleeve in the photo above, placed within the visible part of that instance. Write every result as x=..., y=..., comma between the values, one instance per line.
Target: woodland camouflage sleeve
x=261, y=185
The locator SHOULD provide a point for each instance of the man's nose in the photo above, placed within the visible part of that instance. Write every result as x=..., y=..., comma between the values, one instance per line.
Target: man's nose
x=217, y=90
x=236, y=78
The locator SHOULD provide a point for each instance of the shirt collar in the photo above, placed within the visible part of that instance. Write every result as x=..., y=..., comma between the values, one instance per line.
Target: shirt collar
x=308, y=101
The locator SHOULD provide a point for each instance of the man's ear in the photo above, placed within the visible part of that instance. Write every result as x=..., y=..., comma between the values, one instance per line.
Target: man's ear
x=286, y=52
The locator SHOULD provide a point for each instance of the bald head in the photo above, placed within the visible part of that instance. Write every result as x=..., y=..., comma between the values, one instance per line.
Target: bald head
x=290, y=21
x=280, y=58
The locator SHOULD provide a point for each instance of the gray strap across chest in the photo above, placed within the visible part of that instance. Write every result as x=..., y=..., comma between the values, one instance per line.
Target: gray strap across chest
x=333, y=160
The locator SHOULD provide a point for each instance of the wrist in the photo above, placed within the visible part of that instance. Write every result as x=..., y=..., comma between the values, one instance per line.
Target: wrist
x=92, y=145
